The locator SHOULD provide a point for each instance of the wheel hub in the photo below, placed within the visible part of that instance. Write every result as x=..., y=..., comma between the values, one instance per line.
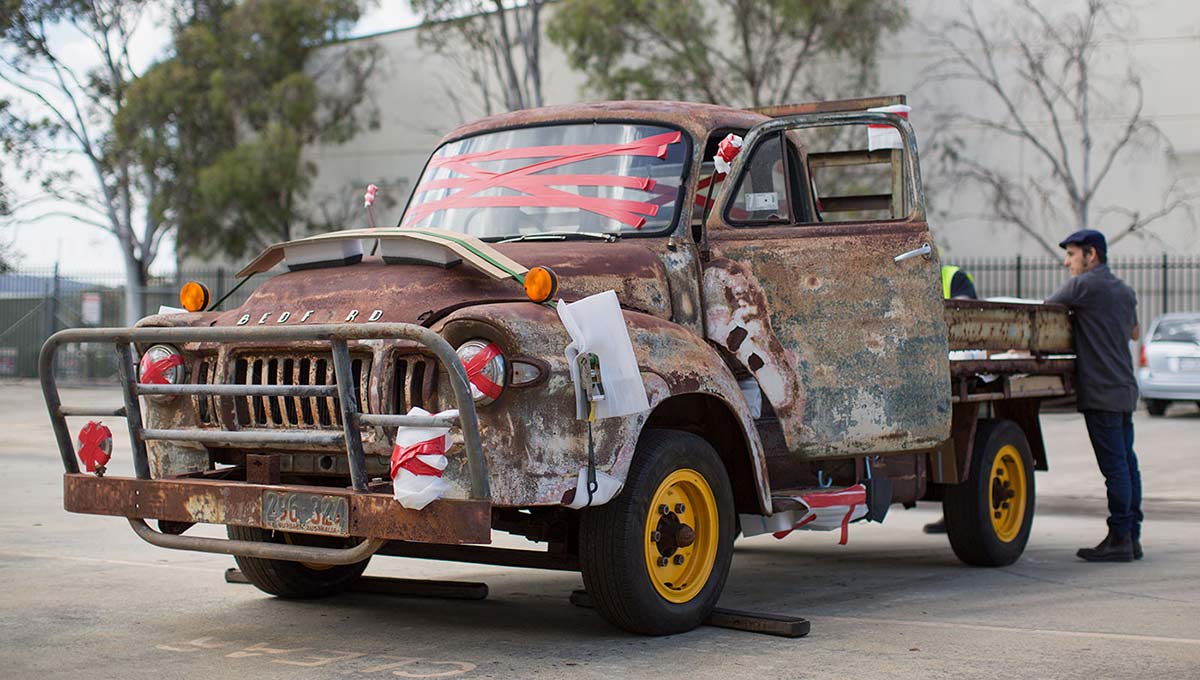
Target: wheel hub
x=682, y=534
x=1008, y=494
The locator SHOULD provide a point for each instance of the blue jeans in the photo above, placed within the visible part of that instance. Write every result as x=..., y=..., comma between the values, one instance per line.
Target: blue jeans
x=1112, y=439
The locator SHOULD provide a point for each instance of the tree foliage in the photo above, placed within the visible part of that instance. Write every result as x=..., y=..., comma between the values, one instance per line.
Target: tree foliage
x=1049, y=87
x=224, y=121
x=67, y=66
x=495, y=44
x=732, y=52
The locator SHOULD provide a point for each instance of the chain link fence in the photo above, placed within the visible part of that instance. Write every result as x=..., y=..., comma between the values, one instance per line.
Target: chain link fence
x=34, y=303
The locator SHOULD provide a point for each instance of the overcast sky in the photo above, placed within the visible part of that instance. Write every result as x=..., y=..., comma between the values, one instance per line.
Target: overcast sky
x=82, y=248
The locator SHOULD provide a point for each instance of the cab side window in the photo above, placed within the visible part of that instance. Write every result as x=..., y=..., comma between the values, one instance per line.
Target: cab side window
x=851, y=183
x=761, y=197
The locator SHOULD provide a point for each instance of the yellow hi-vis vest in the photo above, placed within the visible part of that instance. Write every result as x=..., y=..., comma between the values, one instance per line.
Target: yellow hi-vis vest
x=948, y=273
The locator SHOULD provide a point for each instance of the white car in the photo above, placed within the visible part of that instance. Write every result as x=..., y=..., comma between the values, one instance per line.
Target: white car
x=1169, y=363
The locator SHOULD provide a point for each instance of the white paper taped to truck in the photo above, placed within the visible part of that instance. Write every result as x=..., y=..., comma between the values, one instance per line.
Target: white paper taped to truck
x=596, y=325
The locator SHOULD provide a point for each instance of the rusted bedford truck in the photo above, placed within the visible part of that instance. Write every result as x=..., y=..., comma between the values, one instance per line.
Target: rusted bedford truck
x=786, y=317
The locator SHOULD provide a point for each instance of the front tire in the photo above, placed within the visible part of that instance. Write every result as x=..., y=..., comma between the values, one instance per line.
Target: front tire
x=1157, y=407
x=989, y=516
x=295, y=579
x=655, y=558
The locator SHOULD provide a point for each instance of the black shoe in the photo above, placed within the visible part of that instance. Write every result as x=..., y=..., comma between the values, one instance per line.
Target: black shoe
x=1112, y=549
x=938, y=527
x=1137, y=549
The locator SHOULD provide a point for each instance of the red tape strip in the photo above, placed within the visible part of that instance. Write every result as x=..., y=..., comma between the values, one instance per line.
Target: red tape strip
x=91, y=449
x=806, y=520
x=153, y=372
x=884, y=126
x=405, y=457
x=475, y=374
x=855, y=495
x=846, y=525
x=537, y=190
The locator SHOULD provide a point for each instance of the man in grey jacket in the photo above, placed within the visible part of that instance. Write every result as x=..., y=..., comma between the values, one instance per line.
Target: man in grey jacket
x=1105, y=319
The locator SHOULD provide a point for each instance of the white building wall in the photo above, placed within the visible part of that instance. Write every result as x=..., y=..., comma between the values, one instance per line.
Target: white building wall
x=415, y=94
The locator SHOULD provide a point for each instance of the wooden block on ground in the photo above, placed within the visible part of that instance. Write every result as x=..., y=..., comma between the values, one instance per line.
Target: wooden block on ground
x=751, y=622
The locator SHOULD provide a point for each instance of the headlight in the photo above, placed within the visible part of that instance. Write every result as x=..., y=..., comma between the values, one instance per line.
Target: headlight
x=161, y=365
x=485, y=369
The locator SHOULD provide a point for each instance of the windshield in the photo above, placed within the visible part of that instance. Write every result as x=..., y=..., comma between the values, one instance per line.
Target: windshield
x=598, y=178
x=1178, y=330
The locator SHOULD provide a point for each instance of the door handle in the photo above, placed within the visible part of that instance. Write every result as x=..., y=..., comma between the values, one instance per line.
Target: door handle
x=924, y=251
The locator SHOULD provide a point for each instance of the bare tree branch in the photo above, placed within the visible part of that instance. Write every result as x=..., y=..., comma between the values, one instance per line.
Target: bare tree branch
x=1048, y=102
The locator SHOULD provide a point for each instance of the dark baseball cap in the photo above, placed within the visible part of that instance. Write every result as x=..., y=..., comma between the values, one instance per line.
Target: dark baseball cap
x=1087, y=237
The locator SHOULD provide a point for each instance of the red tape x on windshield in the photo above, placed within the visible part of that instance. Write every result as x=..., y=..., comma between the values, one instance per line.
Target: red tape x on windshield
x=538, y=189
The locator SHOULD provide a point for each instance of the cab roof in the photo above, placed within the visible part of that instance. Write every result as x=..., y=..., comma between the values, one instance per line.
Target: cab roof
x=694, y=117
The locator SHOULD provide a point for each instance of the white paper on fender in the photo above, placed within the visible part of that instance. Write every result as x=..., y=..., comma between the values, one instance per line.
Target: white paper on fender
x=597, y=325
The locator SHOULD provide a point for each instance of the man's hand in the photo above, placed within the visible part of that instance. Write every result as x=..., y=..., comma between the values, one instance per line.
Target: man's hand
x=1137, y=332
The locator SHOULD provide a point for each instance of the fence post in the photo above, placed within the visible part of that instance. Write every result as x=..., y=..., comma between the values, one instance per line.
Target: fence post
x=55, y=291
x=1165, y=277
x=1018, y=276
x=220, y=283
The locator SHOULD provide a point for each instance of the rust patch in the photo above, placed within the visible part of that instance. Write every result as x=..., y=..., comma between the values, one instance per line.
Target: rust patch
x=204, y=508
x=735, y=339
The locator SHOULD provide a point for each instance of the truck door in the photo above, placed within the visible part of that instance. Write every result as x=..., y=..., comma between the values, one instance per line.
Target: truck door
x=832, y=303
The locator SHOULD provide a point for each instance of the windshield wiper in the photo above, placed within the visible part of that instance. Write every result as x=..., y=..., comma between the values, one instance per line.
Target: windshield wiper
x=561, y=236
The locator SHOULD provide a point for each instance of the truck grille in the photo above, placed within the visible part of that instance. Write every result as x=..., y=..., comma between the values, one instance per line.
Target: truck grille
x=281, y=412
x=414, y=383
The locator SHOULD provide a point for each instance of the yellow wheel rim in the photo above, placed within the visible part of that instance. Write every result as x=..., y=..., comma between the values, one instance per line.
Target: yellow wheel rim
x=681, y=537
x=1007, y=494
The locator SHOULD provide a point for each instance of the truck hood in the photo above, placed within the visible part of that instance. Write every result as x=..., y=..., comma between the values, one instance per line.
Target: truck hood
x=421, y=293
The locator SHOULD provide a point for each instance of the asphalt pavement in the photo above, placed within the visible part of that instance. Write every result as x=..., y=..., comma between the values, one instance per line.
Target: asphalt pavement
x=84, y=597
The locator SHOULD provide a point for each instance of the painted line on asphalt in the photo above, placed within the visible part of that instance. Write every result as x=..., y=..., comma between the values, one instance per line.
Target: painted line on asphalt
x=98, y=560
x=1007, y=629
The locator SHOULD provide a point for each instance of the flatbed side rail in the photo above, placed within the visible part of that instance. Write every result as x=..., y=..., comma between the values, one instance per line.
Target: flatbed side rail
x=337, y=335
x=1042, y=329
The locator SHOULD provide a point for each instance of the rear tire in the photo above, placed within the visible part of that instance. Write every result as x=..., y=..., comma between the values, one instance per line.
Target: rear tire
x=1157, y=407
x=296, y=579
x=989, y=516
x=661, y=587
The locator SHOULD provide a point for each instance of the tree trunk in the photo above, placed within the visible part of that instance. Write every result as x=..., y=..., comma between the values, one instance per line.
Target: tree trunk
x=135, y=289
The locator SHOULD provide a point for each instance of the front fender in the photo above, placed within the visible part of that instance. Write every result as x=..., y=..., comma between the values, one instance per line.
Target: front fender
x=534, y=444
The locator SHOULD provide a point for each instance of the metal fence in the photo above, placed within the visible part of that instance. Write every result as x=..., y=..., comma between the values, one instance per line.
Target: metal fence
x=1164, y=283
x=34, y=303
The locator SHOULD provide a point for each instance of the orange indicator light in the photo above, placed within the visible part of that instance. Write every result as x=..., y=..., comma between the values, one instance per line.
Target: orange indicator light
x=540, y=284
x=193, y=296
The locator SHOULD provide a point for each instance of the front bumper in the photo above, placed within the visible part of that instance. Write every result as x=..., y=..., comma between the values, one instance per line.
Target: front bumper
x=205, y=501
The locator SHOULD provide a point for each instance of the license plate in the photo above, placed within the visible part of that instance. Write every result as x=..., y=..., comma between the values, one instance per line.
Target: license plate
x=1189, y=364
x=307, y=513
